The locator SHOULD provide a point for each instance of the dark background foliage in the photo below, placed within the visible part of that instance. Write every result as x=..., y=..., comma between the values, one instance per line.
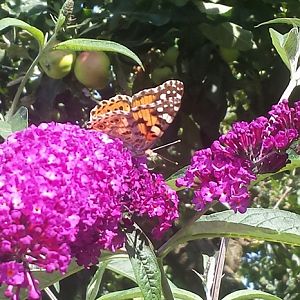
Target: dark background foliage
x=230, y=71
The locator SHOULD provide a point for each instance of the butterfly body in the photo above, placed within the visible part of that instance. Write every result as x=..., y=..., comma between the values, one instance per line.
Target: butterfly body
x=141, y=119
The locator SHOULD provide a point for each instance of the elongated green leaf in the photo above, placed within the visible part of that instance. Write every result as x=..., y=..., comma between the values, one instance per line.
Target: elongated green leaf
x=36, y=33
x=93, y=287
x=123, y=295
x=228, y=35
x=257, y=223
x=171, y=181
x=179, y=294
x=249, y=294
x=97, y=45
x=291, y=21
x=5, y=129
x=144, y=264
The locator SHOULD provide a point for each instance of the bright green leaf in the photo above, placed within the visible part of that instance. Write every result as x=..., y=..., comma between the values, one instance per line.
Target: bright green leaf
x=144, y=264
x=19, y=120
x=257, y=223
x=291, y=21
x=94, y=285
x=278, y=41
x=123, y=295
x=121, y=265
x=212, y=8
x=5, y=129
x=249, y=295
x=97, y=45
x=36, y=33
x=179, y=294
x=229, y=35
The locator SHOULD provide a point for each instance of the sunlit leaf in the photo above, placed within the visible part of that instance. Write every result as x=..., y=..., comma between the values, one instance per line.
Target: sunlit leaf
x=228, y=35
x=262, y=224
x=290, y=21
x=212, y=8
x=94, y=285
x=97, y=45
x=144, y=264
x=19, y=120
x=35, y=32
x=249, y=294
x=5, y=129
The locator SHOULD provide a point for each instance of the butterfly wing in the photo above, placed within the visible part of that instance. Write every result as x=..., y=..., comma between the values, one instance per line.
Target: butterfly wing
x=153, y=110
x=114, y=117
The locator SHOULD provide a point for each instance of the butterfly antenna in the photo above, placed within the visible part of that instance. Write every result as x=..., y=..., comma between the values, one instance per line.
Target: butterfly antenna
x=151, y=154
x=166, y=145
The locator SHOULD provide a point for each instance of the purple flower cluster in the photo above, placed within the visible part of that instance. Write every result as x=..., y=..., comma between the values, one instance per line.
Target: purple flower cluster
x=224, y=171
x=64, y=192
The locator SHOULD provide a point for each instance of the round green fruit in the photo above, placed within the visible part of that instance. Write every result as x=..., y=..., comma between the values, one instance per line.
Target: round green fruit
x=171, y=55
x=92, y=69
x=57, y=63
x=229, y=54
x=161, y=74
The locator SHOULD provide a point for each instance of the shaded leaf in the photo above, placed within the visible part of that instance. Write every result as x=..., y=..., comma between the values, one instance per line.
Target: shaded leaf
x=171, y=181
x=228, y=35
x=97, y=45
x=35, y=32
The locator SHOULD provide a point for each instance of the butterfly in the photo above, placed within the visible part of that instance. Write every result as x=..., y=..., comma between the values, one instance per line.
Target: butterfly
x=141, y=119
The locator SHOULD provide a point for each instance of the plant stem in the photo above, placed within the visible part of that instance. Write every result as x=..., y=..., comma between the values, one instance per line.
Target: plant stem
x=219, y=269
x=294, y=81
x=28, y=74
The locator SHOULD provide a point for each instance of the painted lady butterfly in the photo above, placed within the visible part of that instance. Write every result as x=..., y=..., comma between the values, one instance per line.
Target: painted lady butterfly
x=141, y=119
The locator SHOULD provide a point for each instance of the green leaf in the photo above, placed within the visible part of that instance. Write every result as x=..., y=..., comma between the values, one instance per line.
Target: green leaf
x=19, y=120
x=121, y=265
x=229, y=35
x=35, y=32
x=123, y=295
x=262, y=224
x=5, y=129
x=287, y=46
x=97, y=45
x=290, y=21
x=144, y=264
x=94, y=285
x=278, y=41
x=249, y=294
x=212, y=8
x=171, y=181
x=179, y=294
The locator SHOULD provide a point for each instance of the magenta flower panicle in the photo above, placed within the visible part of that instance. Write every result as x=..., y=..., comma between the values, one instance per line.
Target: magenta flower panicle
x=225, y=170
x=63, y=193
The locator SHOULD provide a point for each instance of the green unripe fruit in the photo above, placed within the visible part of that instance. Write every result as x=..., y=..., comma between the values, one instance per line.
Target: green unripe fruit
x=229, y=54
x=57, y=63
x=92, y=69
x=161, y=74
x=171, y=55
